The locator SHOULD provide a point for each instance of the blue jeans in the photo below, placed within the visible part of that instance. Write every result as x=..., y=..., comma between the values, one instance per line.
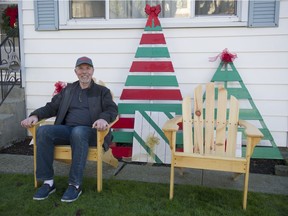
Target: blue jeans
x=79, y=137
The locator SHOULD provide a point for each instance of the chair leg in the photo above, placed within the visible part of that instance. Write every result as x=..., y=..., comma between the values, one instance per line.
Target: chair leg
x=34, y=171
x=34, y=167
x=35, y=181
x=172, y=172
x=99, y=171
x=245, y=193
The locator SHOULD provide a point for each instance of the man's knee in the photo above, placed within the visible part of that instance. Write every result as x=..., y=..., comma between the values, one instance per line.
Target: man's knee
x=42, y=131
x=80, y=132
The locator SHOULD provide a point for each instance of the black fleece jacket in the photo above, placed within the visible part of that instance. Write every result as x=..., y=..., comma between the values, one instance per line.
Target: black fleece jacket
x=101, y=104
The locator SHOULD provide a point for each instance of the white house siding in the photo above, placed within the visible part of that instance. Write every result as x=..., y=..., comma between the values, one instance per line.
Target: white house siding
x=262, y=61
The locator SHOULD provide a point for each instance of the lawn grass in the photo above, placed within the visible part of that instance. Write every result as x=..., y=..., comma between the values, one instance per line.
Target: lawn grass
x=121, y=198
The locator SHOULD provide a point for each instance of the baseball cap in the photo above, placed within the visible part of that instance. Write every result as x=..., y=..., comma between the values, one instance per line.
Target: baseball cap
x=84, y=60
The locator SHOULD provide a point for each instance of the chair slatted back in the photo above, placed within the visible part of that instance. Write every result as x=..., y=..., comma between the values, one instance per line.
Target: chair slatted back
x=209, y=118
x=221, y=121
x=232, y=127
x=187, y=124
x=208, y=135
x=198, y=120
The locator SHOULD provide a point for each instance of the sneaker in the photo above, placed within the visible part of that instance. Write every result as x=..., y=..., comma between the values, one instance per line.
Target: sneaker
x=71, y=194
x=44, y=191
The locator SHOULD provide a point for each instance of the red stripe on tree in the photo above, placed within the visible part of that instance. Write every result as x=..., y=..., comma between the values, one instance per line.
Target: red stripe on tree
x=152, y=66
x=124, y=123
x=152, y=39
x=151, y=94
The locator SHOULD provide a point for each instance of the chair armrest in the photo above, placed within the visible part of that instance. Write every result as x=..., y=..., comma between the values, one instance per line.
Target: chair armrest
x=172, y=124
x=253, y=135
x=35, y=126
x=250, y=130
x=170, y=128
x=102, y=134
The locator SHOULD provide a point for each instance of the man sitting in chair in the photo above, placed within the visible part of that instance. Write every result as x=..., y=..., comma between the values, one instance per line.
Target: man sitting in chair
x=80, y=109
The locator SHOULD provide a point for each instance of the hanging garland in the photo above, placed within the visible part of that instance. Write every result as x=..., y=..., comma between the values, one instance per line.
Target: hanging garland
x=10, y=18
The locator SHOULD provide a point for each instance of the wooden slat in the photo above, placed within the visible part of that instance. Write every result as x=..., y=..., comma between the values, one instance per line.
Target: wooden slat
x=209, y=118
x=152, y=66
x=140, y=150
x=152, y=29
x=122, y=136
x=232, y=127
x=128, y=108
x=197, y=161
x=152, y=39
x=163, y=148
x=64, y=152
x=221, y=121
x=124, y=123
x=198, y=120
x=187, y=125
x=152, y=52
x=239, y=93
x=227, y=77
x=250, y=114
x=151, y=80
x=151, y=94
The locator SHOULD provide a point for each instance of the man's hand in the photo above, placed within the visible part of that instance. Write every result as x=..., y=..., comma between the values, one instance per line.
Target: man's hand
x=29, y=122
x=100, y=124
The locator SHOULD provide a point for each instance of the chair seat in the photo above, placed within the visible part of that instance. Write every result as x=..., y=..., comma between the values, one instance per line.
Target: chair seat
x=210, y=162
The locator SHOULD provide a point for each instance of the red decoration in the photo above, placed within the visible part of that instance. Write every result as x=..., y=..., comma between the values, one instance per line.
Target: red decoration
x=225, y=56
x=59, y=86
x=12, y=13
x=152, y=12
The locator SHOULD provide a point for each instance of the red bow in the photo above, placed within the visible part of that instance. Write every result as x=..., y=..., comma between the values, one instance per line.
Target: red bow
x=59, y=86
x=12, y=12
x=153, y=15
x=225, y=56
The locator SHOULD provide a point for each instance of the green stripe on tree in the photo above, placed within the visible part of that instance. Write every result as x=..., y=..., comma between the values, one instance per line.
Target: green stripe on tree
x=151, y=81
x=264, y=152
x=152, y=52
x=122, y=136
x=157, y=28
x=229, y=76
x=130, y=108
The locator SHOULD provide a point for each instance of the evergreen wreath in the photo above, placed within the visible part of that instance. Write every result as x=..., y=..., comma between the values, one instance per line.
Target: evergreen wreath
x=10, y=18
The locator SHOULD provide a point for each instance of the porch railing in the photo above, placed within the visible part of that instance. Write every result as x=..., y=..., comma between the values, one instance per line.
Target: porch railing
x=10, y=70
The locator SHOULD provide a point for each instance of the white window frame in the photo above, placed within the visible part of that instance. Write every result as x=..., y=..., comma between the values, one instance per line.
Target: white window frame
x=216, y=21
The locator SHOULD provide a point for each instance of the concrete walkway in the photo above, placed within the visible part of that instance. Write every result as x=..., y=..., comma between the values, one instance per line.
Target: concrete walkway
x=160, y=174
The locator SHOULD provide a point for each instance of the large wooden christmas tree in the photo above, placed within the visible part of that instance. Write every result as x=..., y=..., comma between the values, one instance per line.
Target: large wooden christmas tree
x=151, y=86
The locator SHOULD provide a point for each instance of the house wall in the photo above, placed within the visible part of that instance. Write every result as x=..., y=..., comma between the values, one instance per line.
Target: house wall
x=262, y=61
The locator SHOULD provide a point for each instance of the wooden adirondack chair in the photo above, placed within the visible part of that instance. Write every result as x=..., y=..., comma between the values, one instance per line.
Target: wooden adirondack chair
x=63, y=153
x=203, y=148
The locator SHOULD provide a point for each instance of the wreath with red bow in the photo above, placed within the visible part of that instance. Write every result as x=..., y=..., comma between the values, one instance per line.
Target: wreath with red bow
x=10, y=18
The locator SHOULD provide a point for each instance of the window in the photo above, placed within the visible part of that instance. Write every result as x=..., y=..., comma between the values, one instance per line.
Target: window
x=130, y=9
x=216, y=8
x=112, y=13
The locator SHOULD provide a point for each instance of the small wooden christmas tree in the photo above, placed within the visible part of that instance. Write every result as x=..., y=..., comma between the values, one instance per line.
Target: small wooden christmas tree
x=227, y=74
